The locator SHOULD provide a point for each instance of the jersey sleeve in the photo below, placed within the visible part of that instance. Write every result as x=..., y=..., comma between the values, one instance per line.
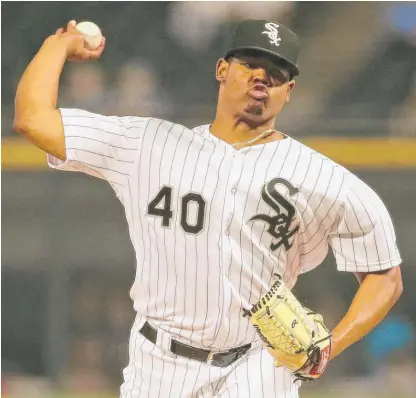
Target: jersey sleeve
x=101, y=146
x=363, y=238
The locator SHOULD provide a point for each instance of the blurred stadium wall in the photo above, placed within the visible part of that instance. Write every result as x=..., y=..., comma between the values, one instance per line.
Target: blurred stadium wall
x=67, y=262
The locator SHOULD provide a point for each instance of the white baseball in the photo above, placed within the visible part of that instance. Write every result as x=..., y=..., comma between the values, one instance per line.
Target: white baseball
x=92, y=34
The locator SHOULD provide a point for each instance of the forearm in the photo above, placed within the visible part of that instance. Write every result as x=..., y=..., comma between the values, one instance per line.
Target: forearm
x=375, y=297
x=38, y=87
x=36, y=115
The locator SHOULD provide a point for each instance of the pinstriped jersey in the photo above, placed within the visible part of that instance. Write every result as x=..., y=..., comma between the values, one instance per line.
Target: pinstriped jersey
x=211, y=225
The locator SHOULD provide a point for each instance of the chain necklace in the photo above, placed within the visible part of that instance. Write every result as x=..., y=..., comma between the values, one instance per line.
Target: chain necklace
x=262, y=135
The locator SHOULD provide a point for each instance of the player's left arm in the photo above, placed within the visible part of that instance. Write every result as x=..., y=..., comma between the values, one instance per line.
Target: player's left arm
x=377, y=294
x=364, y=242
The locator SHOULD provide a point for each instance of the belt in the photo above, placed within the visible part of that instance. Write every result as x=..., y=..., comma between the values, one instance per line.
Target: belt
x=221, y=359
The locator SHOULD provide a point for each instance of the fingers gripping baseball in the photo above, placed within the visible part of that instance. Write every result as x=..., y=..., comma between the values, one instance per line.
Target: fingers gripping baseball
x=76, y=45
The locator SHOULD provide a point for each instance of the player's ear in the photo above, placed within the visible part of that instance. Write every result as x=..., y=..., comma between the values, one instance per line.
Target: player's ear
x=222, y=69
x=290, y=87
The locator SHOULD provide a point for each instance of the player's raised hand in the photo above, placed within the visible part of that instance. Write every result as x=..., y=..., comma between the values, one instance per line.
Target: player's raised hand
x=75, y=44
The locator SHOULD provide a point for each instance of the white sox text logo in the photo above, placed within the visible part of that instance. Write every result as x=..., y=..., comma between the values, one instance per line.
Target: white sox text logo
x=280, y=225
x=273, y=33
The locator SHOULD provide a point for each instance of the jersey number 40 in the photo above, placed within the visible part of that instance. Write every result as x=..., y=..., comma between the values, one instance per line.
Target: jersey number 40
x=161, y=206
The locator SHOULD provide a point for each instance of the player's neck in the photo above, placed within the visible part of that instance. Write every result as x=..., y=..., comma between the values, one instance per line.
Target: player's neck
x=233, y=130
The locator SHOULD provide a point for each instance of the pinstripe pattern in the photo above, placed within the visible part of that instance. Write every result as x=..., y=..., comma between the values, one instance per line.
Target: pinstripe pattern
x=193, y=285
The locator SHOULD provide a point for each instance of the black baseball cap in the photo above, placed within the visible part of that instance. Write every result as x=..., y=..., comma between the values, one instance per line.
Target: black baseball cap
x=271, y=38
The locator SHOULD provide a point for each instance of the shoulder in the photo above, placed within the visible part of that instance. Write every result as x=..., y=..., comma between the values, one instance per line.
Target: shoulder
x=307, y=151
x=318, y=168
x=85, y=116
x=75, y=116
x=161, y=129
x=202, y=130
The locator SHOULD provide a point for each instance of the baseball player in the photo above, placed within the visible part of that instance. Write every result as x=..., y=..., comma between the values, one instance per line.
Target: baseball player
x=217, y=215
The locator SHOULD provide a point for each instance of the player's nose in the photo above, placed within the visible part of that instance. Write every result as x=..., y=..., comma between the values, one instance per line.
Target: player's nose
x=260, y=75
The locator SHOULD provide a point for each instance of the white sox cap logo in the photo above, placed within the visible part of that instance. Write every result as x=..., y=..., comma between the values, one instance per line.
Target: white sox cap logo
x=273, y=33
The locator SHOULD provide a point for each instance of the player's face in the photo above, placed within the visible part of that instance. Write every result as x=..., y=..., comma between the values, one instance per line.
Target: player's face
x=254, y=87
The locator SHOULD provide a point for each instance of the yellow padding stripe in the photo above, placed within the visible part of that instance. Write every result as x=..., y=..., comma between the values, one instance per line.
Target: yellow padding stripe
x=367, y=153
x=18, y=154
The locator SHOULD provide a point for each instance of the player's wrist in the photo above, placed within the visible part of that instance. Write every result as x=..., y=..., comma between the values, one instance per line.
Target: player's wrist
x=335, y=346
x=55, y=47
x=64, y=45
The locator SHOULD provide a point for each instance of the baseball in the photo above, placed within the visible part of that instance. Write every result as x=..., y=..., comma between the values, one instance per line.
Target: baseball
x=92, y=34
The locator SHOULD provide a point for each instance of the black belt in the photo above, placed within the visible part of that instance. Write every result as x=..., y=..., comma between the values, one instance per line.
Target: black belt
x=220, y=359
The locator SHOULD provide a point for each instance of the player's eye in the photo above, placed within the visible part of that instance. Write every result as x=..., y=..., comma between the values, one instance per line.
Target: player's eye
x=278, y=77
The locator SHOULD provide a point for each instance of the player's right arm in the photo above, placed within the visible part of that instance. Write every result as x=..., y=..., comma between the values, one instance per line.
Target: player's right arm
x=36, y=115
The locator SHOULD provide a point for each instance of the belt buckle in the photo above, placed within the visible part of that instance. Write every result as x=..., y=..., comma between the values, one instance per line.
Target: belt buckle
x=228, y=357
x=225, y=359
x=210, y=358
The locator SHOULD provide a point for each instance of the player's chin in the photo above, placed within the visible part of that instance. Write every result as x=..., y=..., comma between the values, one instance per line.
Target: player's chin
x=255, y=115
x=255, y=108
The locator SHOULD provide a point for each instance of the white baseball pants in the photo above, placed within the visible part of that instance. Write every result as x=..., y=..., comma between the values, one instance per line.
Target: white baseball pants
x=154, y=372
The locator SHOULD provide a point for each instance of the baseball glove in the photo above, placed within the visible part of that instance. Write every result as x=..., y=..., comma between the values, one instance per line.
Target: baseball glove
x=295, y=336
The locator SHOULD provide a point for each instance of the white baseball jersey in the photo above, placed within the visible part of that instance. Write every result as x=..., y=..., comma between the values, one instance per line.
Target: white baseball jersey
x=211, y=225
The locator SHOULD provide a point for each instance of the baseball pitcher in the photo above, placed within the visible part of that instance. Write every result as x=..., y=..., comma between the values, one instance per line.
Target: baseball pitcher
x=223, y=218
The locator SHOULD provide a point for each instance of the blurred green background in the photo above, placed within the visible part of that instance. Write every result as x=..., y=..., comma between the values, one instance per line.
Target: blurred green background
x=67, y=262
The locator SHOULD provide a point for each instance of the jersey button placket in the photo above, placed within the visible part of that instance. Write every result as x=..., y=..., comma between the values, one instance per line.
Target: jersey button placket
x=235, y=176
